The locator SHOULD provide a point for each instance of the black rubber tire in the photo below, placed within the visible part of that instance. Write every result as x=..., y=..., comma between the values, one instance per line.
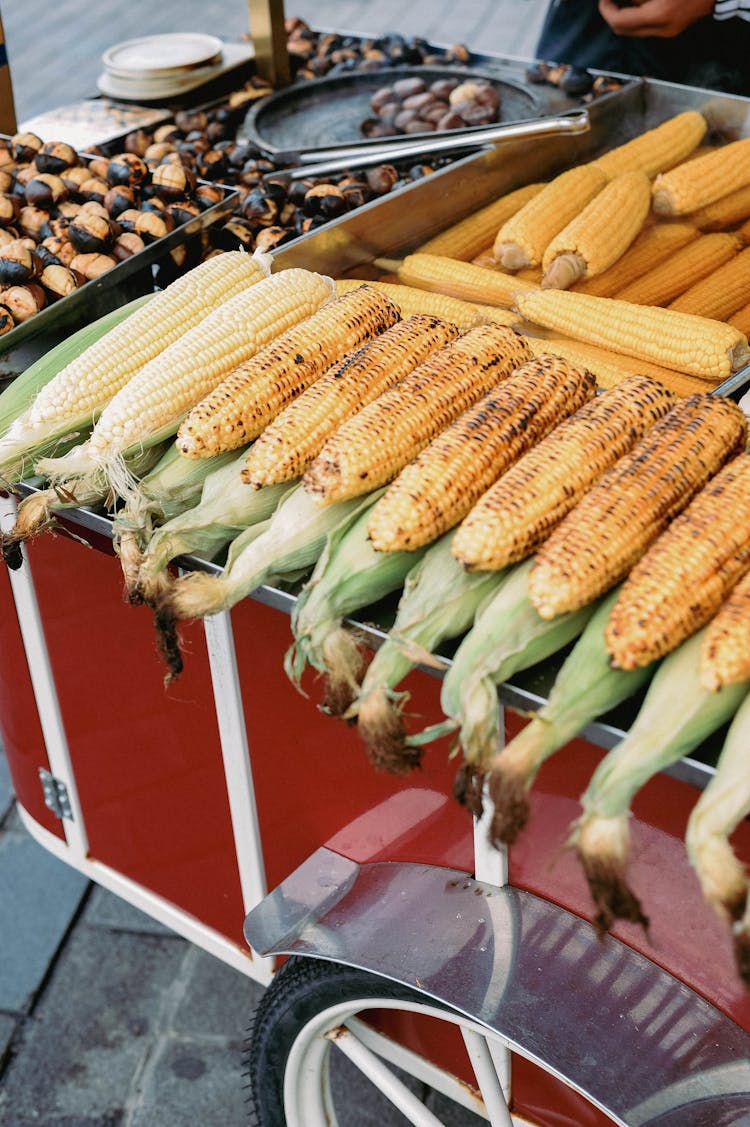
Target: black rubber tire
x=301, y=989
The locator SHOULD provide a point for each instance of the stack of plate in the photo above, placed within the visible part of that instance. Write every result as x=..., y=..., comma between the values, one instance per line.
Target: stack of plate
x=159, y=67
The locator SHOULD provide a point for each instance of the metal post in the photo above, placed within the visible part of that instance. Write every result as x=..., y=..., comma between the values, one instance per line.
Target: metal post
x=7, y=105
x=269, y=38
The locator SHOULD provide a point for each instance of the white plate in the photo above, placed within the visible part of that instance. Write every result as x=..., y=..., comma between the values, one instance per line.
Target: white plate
x=161, y=56
x=150, y=89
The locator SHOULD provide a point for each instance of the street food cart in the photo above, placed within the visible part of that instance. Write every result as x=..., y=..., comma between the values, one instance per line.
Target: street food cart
x=228, y=807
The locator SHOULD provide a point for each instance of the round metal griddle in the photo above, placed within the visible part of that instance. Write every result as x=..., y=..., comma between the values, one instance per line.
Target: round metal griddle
x=329, y=111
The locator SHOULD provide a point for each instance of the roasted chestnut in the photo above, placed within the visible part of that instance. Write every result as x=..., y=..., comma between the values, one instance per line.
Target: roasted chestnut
x=119, y=199
x=45, y=190
x=94, y=189
x=55, y=156
x=325, y=199
x=24, y=301
x=92, y=265
x=153, y=225
x=18, y=264
x=61, y=247
x=57, y=281
x=25, y=146
x=127, y=168
x=172, y=181
x=126, y=245
x=6, y=318
x=127, y=219
x=90, y=233
x=33, y=222
x=9, y=208
x=182, y=211
x=73, y=177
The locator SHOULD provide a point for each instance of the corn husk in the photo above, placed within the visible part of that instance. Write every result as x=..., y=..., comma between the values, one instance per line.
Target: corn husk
x=585, y=687
x=348, y=576
x=676, y=715
x=439, y=602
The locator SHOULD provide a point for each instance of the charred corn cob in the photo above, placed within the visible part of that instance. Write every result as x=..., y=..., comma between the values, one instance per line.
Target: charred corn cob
x=611, y=368
x=464, y=314
x=461, y=279
x=725, y=212
x=152, y=404
x=516, y=515
x=687, y=572
x=696, y=345
x=252, y=394
x=674, y=275
x=657, y=149
x=722, y=293
x=699, y=182
x=468, y=237
x=370, y=449
x=295, y=437
x=435, y=491
x=614, y=524
x=725, y=656
x=599, y=234
x=523, y=239
x=652, y=246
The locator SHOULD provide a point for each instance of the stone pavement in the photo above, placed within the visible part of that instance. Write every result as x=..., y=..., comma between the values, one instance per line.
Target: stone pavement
x=155, y=1039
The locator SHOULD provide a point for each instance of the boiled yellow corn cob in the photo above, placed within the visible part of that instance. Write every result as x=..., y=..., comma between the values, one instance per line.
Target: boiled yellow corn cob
x=614, y=524
x=254, y=393
x=495, y=315
x=725, y=212
x=700, y=181
x=743, y=232
x=599, y=234
x=410, y=300
x=741, y=319
x=696, y=345
x=519, y=512
x=468, y=237
x=152, y=404
x=657, y=149
x=88, y=382
x=722, y=293
x=670, y=278
x=725, y=653
x=523, y=239
x=370, y=449
x=461, y=279
x=289, y=444
x=687, y=572
x=611, y=368
x=486, y=258
x=437, y=489
x=652, y=246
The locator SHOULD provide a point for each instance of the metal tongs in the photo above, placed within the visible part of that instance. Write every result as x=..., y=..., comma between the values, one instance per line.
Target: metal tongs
x=319, y=162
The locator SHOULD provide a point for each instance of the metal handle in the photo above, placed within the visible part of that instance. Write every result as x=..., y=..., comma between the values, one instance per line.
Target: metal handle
x=322, y=161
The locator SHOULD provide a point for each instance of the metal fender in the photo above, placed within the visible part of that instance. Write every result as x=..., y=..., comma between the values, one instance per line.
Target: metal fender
x=634, y=1040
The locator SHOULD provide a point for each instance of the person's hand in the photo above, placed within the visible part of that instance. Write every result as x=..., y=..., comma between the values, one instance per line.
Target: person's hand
x=661, y=18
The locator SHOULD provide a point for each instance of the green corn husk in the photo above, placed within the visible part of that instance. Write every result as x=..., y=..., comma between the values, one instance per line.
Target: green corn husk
x=349, y=575
x=439, y=602
x=508, y=635
x=226, y=508
x=717, y=813
x=676, y=715
x=291, y=544
x=586, y=686
x=17, y=458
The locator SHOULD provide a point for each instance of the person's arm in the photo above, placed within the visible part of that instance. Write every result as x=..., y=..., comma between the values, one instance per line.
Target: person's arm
x=663, y=18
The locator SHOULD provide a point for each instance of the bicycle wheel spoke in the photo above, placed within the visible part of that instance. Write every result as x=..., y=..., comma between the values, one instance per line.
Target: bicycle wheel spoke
x=387, y=1083
x=487, y=1078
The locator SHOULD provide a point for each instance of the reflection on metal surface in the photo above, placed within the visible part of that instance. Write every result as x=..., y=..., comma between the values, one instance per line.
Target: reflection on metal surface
x=636, y=1041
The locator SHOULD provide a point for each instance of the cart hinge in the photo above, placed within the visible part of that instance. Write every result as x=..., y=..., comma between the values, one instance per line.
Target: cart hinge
x=56, y=796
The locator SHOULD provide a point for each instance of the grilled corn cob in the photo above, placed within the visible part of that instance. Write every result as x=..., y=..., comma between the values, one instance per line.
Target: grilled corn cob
x=611, y=368
x=295, y=437
x=243, y=403
x=725, y=657
x=370, y=449
x=600, y=233
x=657, y=149
x=461, y=279
x=700, y=181
x=523, y=239
x=696, y=345
x=88, y=383
x=725, y=212
x=676, y=715
x=686, y=573
x=586, y=686
x=436, y=490
x=410, y=300
x=653, y=245
x=516, y=515
x=665, y=282
x=152, y=403
x=614, y=524
x=722, y=293
x=468, y=237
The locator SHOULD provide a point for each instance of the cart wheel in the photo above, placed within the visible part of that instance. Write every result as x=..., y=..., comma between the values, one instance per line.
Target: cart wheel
x=314, y=1006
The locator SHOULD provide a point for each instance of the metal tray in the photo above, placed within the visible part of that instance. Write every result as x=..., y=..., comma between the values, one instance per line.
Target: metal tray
x=331, y=110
